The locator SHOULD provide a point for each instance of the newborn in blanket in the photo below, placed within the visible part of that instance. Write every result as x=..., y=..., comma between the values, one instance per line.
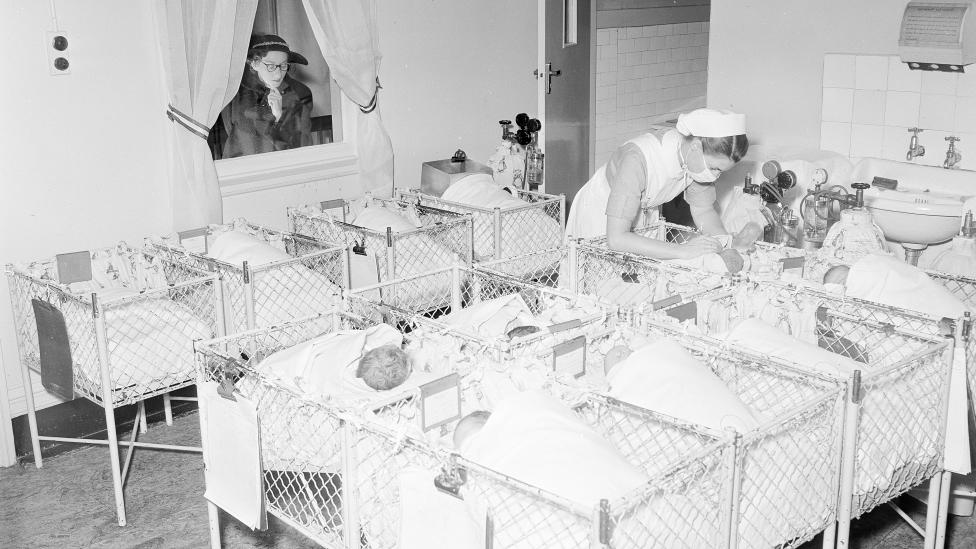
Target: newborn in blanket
x=538, y=440
x=890, y=281
x=508, y=316
x=349, y=366
x=664, y=377
x=528, y=230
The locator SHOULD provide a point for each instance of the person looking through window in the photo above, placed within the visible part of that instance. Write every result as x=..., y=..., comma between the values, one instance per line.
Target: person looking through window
x=271, y=111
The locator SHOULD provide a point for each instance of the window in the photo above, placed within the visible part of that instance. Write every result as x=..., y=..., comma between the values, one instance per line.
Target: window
x=322, y=140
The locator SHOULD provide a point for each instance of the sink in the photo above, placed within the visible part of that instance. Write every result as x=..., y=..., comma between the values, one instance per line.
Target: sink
x=925, y=208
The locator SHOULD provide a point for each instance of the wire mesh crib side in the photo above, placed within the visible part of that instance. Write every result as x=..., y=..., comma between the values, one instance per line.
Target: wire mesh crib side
x=310, y=280
x=443, y=239
x=901, y=419
x=501, y=233
x=140, y=330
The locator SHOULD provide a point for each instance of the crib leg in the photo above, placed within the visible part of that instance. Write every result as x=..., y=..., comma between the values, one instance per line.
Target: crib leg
x=140, y=412
x=31, y=414
x=830, y=536
x=945, y=495
x=932, y=511
x=213, y=516
x=168, y=409
x=113, y=451
x=143, y=425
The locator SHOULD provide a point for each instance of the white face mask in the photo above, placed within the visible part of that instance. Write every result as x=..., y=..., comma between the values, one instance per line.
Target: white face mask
x=695, y=165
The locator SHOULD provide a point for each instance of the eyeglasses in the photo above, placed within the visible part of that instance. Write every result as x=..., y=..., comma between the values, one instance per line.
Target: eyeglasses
x=283, y=67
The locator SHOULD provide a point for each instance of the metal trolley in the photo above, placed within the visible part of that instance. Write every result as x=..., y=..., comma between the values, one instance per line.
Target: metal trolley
x=120, y=350
x=502, y=233
x=444, y=239
x=312, y=280
x=333, y=474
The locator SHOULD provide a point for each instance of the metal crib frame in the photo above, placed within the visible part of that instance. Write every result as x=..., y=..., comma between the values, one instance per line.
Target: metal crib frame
x=102, y=391
x=493, y=221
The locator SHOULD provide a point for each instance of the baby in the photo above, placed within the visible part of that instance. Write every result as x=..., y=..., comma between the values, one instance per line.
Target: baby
x=836, y=275
x=468, y=426
x=384, y=368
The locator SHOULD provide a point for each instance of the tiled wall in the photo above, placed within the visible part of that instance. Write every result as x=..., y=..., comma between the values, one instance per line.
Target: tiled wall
x=870, y=101
x=646, y=75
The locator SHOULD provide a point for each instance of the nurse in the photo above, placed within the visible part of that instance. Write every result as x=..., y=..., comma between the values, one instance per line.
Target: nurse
x=653, y=168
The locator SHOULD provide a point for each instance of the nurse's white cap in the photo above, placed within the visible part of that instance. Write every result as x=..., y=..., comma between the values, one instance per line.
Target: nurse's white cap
x=711, y=123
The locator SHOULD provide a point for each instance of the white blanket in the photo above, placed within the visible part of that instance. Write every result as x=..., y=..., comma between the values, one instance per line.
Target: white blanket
x=492, y=317
x=281, y=293
x=150, y=343
x=538, y=440
x=666, y=378
x=753, y=333
x=430, y=518
x=523, y=232
x=889, y=281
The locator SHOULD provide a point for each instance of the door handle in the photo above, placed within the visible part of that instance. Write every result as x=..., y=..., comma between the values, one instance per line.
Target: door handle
x=548, y=73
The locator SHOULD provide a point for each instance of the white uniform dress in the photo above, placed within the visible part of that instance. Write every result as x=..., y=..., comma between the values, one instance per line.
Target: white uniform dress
x=665, y=179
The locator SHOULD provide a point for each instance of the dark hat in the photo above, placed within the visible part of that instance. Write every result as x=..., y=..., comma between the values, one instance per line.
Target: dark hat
x=272, y=42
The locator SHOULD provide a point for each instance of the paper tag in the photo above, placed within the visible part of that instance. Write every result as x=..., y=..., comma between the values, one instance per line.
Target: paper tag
x=74, y=267
x=231, y=434
x=568, y=325
x=793, y=263
x=569, y=357
x=57, y=368
x=666, y=302
x=440, y=402
x=364, y=270
x=685, y=311
x=194, y=240
x=333, y=204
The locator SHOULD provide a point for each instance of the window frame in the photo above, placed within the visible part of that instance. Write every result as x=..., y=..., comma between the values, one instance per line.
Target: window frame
x=273, y=170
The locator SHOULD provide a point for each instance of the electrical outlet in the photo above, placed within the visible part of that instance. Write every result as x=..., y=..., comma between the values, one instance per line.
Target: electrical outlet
x=58, y=59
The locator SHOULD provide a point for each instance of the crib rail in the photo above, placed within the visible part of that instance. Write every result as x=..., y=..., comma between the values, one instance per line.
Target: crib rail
x=262, y=295
x=142, y=343
x=503, y=233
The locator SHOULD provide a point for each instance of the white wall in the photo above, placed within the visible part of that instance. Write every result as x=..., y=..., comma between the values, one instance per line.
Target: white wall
x=83, y=155
x=451, y=70
x=766, y=58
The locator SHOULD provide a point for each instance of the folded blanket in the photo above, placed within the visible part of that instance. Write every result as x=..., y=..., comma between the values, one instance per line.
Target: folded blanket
x=666, y=378
x=378, y=218
x=754, y=334
x=893, y=282
x=538, y=440
x=491, y=318
x=235, y=247
x=430, y=518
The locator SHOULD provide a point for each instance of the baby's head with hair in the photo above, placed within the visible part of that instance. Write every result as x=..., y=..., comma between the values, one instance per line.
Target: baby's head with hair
x=384, y=367
x=836, y=275
x=468, y=426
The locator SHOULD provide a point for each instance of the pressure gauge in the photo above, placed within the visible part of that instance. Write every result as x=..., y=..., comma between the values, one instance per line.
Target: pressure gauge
x=819, y=176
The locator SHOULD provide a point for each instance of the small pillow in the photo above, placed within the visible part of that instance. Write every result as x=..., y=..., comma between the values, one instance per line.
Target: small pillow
x=378, y=218
x=666, y=378
x=236, y=247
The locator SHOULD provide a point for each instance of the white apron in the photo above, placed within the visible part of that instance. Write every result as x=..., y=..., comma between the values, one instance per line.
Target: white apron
x=588, y=217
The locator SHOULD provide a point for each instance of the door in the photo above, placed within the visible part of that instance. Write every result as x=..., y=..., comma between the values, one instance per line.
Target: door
x=565, y=91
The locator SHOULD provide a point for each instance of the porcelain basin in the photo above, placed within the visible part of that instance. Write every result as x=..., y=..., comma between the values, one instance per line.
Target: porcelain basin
x=927, y=205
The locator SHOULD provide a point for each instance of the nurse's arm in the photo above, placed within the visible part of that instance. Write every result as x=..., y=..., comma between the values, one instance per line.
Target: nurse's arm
x=621, y=238
x=701, y=199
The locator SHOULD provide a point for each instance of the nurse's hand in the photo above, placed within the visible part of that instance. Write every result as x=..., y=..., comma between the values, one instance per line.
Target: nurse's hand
x=700, y=246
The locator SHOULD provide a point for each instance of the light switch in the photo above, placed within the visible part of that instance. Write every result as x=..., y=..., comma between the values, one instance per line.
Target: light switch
x=58, y=59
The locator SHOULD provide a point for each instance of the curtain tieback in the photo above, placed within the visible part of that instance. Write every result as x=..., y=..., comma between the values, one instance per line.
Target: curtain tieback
x=371, y=106
x=181, y=118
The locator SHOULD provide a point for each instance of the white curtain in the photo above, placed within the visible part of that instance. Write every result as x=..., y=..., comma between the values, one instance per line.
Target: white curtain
x=346, y=32
x=204, y=46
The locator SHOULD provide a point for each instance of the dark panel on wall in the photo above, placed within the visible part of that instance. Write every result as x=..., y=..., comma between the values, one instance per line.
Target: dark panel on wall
x=639, y=13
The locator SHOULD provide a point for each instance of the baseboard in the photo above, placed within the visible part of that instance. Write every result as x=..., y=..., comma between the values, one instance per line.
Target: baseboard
x=82, y=418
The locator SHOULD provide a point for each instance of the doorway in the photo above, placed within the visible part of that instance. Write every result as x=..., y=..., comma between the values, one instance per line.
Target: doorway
x=567, y=56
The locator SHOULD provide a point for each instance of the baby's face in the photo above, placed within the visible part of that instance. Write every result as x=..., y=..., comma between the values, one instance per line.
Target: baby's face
x=836, y=275
x=615, y=356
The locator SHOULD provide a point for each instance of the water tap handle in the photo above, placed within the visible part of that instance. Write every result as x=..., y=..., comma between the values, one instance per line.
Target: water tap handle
x=859, y=189
x=952, y=142
x=915, y=131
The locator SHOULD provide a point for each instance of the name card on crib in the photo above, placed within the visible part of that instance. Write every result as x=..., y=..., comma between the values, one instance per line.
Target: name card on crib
x=569, y=357
x=74, y=267
x=685, y=311
x=792, y=263
x=194, y=240
x=440, y=401
x=563, y=326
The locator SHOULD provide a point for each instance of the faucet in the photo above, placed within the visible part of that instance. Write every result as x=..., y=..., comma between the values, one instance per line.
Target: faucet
x=953, y=157
x=914, y=149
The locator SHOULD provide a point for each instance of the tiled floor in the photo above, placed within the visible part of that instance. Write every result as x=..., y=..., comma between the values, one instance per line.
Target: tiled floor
x=69, y=503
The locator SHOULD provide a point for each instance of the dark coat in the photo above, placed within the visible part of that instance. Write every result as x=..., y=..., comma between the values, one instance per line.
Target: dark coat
x=252, y=129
